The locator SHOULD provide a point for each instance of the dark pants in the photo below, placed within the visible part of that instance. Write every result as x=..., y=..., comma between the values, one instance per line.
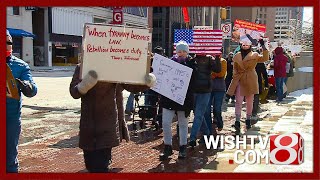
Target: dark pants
x=255, y=104
x=12, y=138
x=97, y=161
x=279, y=86
x=216, y=99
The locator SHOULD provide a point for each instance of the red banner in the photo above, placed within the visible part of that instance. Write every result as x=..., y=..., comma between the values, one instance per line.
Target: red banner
x=185, y=14
x=250, y=25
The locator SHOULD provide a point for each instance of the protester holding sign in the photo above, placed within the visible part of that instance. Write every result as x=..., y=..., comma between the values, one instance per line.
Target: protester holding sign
x=245, y=80
x=26, y=85
x=183, y=111
x=99, y=131
x=202, y=87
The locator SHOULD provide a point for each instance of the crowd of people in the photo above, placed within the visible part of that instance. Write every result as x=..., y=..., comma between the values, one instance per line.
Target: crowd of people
x=241, y=75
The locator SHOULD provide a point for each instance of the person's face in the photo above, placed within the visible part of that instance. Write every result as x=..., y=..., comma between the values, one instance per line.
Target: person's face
x=9, y=43
x=230, y=56
x=245, y=46
x=181, y=53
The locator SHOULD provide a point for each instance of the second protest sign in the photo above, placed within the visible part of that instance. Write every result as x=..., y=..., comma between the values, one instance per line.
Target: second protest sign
x=172, y=78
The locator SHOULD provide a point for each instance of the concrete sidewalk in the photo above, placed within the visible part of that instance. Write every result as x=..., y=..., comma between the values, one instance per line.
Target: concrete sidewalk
x=58, y=150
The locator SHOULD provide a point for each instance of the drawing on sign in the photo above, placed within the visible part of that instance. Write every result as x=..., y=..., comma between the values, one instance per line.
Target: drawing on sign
x=172, y=78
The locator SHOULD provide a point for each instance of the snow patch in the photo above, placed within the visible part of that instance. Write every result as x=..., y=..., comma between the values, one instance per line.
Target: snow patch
x=303, y=95
x=306, y=69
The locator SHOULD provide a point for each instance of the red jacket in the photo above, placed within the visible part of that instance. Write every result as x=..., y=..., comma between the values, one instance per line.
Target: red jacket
x=280, y=62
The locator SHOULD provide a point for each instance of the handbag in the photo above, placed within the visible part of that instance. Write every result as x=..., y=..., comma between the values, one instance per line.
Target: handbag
x=288, y=67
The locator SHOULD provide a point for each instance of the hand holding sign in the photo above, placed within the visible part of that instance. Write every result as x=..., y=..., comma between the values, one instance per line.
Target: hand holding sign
x=150, y=80
x=88, y=82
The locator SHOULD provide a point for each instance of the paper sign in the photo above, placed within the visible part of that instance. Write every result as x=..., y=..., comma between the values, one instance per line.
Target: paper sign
x=11, y=85
x=116, y=53
x=244, y=31
x=203, y=28
x=172, y=78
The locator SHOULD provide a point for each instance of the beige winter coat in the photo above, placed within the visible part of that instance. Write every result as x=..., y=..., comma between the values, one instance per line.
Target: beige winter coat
x=244, y=73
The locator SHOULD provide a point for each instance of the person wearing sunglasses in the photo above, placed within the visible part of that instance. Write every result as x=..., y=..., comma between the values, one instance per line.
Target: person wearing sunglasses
x=21, y=72
x=245, y=79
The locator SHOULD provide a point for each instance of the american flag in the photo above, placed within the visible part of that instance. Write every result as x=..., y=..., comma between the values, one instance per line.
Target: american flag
x=200, y=41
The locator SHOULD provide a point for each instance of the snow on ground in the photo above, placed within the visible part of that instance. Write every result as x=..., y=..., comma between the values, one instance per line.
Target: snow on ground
x=306, y=69
x=303, y=95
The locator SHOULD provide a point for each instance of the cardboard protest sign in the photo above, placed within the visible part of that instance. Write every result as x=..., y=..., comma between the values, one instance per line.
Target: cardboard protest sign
x=117, y=53
x=172, y=78
x=244, y=31
x=11, y=85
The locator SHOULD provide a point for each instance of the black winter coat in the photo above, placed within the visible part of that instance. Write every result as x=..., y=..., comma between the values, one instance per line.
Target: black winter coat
x=203, y=66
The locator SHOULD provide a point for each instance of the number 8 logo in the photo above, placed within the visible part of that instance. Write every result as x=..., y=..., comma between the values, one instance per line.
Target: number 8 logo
x=295, y=149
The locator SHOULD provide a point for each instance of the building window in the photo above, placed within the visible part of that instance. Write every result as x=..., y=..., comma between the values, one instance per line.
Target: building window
x=265, y=15
x=264, y=22
x=15, y=10
x=260, y=15
x=260, y=9
x=99, y=20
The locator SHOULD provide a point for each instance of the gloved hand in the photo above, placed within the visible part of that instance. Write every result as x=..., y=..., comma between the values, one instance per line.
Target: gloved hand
x=261, y=41
x=25, y=87
x=150, y=80
x=88, y=82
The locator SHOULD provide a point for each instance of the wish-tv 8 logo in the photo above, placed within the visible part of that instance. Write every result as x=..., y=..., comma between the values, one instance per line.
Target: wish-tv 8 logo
x=286, y=149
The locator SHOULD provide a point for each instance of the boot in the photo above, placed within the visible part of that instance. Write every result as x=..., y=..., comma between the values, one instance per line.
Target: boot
x=182, y=152
x=237, y=125
x=192, y=143
x=248, y=123
x=166, y=153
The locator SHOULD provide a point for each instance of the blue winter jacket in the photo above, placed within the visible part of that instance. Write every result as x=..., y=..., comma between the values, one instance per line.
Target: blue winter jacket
x=20, y=70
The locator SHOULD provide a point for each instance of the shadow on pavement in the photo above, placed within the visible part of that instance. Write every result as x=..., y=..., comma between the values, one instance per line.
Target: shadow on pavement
x=72, y=142
x=196, y=160
x=48, y=109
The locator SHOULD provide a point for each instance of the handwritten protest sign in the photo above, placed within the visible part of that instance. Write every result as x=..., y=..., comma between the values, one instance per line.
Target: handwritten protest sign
x=245, y=31
x=116, y=53
x=172, y=78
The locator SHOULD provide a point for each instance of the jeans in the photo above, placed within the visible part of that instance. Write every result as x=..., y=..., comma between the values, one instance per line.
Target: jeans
x=255, y=105
x=12, y=138
x=216, y=99
x=129, y=105
x=239, y=100
x=279, y=86
x=286, y=80
x=167, y=117
x=201, y=104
